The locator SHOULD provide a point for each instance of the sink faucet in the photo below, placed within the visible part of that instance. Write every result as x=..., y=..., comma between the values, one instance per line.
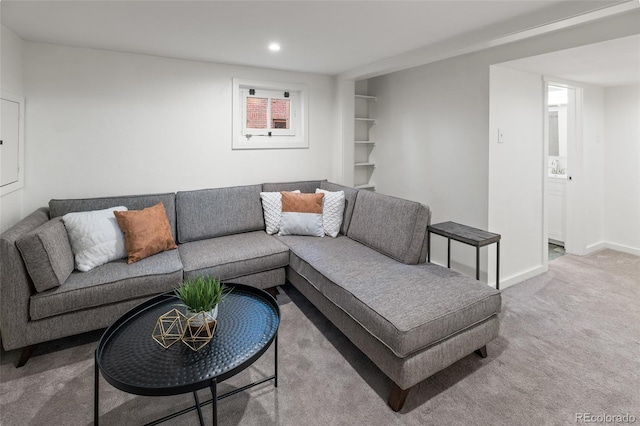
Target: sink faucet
x=555, y=167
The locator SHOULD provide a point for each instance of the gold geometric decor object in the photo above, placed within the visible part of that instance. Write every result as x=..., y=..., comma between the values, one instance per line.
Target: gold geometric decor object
x=198, y=332
x=169, y=328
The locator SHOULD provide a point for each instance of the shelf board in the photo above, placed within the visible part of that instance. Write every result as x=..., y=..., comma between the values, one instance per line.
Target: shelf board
x=366, y=186
x=365, y=142
x=365, y=119
x=372, y=98
x=364, y=164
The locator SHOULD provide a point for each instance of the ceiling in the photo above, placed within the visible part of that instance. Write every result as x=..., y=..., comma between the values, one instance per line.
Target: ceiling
x=609, y=63
x=325, y=37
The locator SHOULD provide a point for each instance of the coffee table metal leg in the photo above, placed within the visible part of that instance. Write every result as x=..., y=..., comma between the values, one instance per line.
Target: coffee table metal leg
x=275, y=382
x=214, y=401
x=195, y=396
x=96, y=400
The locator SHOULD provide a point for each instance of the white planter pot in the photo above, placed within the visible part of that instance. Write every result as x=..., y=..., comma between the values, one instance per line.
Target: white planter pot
x=197, y=321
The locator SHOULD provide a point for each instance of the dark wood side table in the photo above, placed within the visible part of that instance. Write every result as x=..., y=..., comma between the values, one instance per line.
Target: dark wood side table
x=467, y=235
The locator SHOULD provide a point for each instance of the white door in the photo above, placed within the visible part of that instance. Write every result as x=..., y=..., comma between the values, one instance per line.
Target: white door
x=10, y=146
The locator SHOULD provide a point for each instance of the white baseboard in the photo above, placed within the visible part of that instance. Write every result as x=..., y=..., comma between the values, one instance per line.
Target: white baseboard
x=518, y=278
x=623, y=248
x=592, y=248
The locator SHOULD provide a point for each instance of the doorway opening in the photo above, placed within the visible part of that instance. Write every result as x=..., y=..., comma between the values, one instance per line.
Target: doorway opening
x=561, y=136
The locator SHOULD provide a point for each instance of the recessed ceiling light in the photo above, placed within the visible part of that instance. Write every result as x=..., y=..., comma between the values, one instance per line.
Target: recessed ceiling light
x=274, y=47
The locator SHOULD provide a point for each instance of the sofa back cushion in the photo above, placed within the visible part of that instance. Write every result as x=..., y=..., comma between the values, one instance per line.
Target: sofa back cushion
x=47, y=254
x=307, y=186
x=208, y=213
x=132, y=202
x=390, y=225
x=350, y=195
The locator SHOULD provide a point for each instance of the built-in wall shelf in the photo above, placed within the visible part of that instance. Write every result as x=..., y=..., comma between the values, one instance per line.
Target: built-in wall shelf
x=366, y=186
x=367, y=97
x=364, y=143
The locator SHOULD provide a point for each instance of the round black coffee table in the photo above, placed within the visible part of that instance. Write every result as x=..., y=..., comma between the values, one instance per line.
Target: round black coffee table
x=130, y=360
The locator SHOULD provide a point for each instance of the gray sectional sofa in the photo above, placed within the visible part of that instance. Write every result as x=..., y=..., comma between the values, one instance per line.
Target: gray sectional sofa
x=409, y=317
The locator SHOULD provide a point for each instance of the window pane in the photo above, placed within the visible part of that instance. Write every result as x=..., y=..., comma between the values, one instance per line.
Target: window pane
x=280, y=113
x=257, y=113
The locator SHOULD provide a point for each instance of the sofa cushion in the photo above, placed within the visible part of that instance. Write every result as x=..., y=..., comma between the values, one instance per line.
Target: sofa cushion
x=47, y=254
x=233, y=256
x=406, y=307
x=350, y=195
x=393, y=226
x=132, y=202
x=146, y=232
x=209, y=213
x=301, y=214
x=307, y=186
x=95, y=237
x=110, y=283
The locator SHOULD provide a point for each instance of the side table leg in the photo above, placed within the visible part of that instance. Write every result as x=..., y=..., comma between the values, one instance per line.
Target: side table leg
x=428, y=246
x=448, y=252
x=478, y=263
x=214, y=401
x=96, y=400
x=498, y=265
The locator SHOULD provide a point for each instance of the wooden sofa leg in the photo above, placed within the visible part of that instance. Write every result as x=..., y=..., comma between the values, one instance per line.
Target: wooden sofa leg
x=25, y=355
x=397, y=397
x=272, y=291
x=482, y=352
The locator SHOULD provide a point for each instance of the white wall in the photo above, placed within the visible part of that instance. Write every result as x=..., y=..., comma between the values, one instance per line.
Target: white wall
x=591, y=186
x=11, y=69
x=433, y=138
x=431, y=144
x=622, y=168
x=105, y=123
x=517, y=172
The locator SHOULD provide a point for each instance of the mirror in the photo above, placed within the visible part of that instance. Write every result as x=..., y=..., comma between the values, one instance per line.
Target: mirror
x=558, y=130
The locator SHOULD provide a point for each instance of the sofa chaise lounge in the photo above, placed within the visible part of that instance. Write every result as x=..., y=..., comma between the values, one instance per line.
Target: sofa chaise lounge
x=409, y=317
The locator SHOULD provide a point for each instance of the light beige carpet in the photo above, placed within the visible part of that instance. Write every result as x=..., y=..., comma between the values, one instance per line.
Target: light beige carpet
x=569, y=343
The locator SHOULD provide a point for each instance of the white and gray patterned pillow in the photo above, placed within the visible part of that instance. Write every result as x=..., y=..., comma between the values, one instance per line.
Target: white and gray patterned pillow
x=272, y=208
x=332, y=211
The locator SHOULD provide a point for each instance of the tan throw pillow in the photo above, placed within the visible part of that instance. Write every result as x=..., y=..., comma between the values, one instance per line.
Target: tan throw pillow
x=146, y=232
x=301, y=214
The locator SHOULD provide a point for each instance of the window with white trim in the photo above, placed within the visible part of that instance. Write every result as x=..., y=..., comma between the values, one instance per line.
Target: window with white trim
x=269, y=115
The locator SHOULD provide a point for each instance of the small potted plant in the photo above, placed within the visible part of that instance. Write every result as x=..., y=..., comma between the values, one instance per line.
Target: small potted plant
x=202, y=295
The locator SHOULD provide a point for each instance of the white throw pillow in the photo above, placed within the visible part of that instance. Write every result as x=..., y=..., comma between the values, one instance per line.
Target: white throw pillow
x=95, y=237
x=272, y=208
x=332, y=211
